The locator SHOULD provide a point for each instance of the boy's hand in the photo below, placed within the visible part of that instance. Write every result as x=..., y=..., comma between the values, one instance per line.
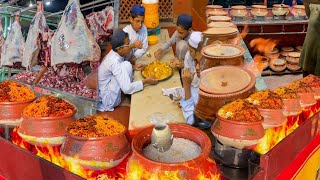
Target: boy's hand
x=150, y=80
x=186, y=77
x=138, y=67
x=176, y=63
x=158, y=54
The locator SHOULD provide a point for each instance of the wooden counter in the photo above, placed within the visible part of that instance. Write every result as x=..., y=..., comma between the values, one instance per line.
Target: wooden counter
x=150, y=100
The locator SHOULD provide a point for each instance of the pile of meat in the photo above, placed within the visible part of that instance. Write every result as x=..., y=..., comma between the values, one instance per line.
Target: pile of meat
x=13, y=48
x=101, y=24
x=75, y=84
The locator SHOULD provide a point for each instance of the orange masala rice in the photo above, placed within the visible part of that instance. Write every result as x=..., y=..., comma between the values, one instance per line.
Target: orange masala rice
x=300, y=87
x=95, y=126
x=266, y=99
x=241, y=111
x=312, y=80
x=48, y=106
x=12, y=91
x=286, y=93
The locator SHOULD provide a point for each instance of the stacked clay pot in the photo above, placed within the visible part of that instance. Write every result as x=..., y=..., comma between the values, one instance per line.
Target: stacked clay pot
x=293, y=61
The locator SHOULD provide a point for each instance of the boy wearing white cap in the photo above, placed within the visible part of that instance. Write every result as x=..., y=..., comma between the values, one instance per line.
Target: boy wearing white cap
x=190, y=78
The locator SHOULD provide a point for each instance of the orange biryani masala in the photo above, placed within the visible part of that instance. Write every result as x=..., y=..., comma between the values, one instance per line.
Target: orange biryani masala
x=12, y=91
x=300, y=87
x=95, y=126
x=286, y=93
x=49, y=106
x=241, y=111
x=266, y=100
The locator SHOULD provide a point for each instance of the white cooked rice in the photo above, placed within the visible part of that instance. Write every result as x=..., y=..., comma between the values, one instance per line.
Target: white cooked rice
x=181, y=150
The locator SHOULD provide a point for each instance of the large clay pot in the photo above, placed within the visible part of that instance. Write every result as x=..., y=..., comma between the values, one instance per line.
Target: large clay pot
x=12, y=110
x=237, y=134
x=221, y=25
x=220, y=85
x=307, y=99
x=280, y=9
x=43, y=131
x=293, y=57
x=225, y=35
x=272, y=117
x=143, y=138
x=291, y=107
x=96, y=153
x=216, y=13
x=299, y=11
x=259, y=10
x=222, y=54
x=238, y=11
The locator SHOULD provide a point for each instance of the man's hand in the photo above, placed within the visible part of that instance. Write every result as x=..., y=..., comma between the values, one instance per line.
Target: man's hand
x=138, y=67
x=150, y=80
x=176, y=63
x=137, y=44
x=158, y=54
x=186, y=80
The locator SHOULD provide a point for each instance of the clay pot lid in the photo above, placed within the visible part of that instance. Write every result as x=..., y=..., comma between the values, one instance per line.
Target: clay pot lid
x=214, y=7
x=259, y=6
x=222, y=51
x=217, y=13
x=274, y=51
x=294, y=54
x=221, y=31
x=279, y=62
x=280, y=6
x=288, y=49
x=220, y=24
x=224, y=80
x=219, y=18
x=299, y=48
x=299, y=6
x=293, y=67
x=238, y=7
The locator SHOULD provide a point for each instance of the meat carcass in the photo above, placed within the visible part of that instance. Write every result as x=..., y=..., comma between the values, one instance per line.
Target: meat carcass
x=12, y=50
x=37, y=39
x=73, y=41
x=101, y=24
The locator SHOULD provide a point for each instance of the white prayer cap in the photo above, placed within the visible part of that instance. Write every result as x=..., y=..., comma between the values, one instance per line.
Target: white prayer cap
x=195, y=38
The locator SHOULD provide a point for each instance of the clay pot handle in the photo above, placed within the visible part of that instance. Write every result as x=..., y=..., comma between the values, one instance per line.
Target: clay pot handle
x=224, y=83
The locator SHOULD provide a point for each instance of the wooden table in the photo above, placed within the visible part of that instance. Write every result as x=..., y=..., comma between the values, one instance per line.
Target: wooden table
x=150, y=101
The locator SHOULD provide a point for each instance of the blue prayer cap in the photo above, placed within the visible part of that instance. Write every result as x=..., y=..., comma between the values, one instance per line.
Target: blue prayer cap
x=117, y=38
x=185, y=21
x=138, y=10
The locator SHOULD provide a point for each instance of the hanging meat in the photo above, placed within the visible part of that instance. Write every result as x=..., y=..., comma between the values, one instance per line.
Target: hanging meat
x=73, y=41
x=101, y=24
x=1, y=37
x=12, y=50
x=37, y=50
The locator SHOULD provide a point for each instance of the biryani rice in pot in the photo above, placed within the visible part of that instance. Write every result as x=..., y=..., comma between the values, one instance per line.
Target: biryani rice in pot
x=96, y=143
x=290, y=99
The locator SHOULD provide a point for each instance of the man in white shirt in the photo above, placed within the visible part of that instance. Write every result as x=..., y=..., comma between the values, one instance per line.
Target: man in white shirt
x=190, y=76
x=180, y=37
x=115, y=74
x=138, y=33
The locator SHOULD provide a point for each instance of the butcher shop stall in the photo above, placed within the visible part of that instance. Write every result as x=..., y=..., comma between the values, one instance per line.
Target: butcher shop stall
x=256, y=117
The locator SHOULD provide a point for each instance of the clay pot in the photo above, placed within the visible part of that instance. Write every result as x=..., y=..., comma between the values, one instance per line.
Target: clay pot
x=307, y=99
x=278, y=65
x=143, y=138
x=298, y=11
x=291, y=107
x=299, y=48
x=274, y=54
x=216, y=13
x=293, y=67
x=293, y=57
x=237, y=134
x=265, y=62
x=238, y=11
x=280, y=9
x=286, y=50
x=259, y=10
x=214, y=7
x=96, y=153
x=44, y=131
x=221, y=25
x=221, y=35
x=272, y=117
x=12, y=110
x=223, y=54
x=219, y=19
x=220, y=85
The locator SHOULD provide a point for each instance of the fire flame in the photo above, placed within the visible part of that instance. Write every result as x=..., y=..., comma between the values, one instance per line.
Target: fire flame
x=275, y=135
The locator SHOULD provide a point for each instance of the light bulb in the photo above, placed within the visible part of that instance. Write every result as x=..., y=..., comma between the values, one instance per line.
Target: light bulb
x=48, y=3
x=30, y=5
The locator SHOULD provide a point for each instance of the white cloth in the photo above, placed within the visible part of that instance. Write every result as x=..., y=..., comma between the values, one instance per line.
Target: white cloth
x=114, y=75
x=188, y=106
x=181, y=45
x=195, y=38
x=142, y=35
